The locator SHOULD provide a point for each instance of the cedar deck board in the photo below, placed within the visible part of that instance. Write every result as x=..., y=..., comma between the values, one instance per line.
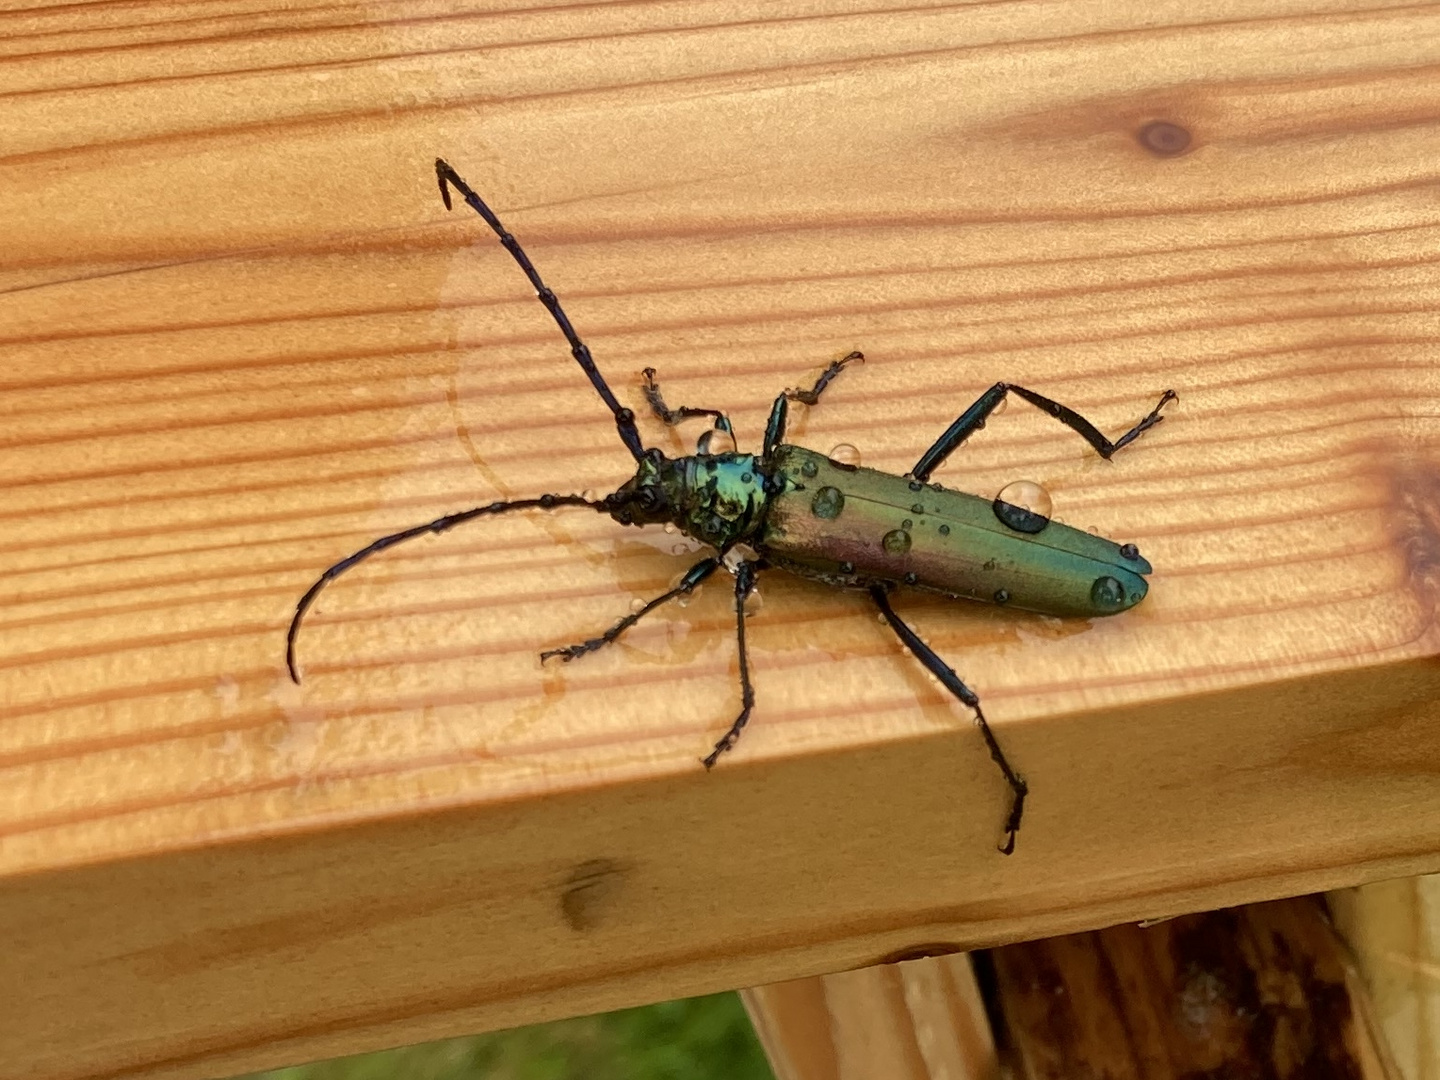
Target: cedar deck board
x=241, y=337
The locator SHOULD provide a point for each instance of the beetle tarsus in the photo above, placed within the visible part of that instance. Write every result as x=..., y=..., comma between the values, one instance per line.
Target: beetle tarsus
x=670, y=417
x=812, y=396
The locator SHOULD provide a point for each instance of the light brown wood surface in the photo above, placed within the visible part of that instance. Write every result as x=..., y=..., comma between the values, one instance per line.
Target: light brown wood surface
x=1390, y=925
x=240, y=337
x=919, y=1019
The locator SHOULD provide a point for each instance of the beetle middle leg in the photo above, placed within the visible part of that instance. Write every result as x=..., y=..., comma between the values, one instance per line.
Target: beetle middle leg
x=951, y=682
x=744, y=584
x=693, y=577
x=973, y=419
x=780, y=411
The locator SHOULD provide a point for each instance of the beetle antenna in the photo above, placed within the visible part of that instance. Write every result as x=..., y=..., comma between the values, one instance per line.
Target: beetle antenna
x=439, y=525
x=624, y=418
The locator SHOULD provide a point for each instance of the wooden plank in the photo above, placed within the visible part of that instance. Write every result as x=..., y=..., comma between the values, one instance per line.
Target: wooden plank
x=1390, y=925
x=1267, y=990
x=918, y=1019
x=241, y=338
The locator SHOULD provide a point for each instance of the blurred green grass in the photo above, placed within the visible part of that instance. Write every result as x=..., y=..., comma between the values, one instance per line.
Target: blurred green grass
x=704, y=1038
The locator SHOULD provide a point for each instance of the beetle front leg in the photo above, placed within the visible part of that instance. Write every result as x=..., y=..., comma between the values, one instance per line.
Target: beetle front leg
x=744, y=584
x=951, y=682
x=671, y=416
x=693, y=577
x=973, y=419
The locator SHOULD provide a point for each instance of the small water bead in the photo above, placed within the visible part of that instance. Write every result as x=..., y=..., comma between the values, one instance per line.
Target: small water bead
x=670, y=527
x=917, y=508
x=916, y=485
x=828, y=503
x=847, y=568
x=679, y=549
x=715, y=441
x=912, y=578
x=809, y=469
x=845, y=454
x=1107, y=594
x=907, y=524
x=753, y=603
x=944, y=530
x=637, y=605
x=896, y=542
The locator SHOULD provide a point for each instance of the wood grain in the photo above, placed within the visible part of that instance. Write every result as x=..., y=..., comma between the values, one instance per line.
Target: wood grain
x=240, y=337
x=1390, y=925
x=919, y=1019
x=1266, y=991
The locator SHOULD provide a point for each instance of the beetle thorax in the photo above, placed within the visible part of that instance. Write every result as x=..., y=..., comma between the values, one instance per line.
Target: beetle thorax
x=718, y=499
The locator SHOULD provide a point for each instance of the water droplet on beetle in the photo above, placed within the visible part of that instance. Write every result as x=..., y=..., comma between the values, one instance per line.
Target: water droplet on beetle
x=944, y=530
x=809, y=469
x=896, y=542
x=917, y=508
x=845, y=454
x=1107, y=594
x=670, y=527
x=679, y=549
x=828, y=503
x=1023, y=506
x=1028, y=495
x=753, y=603
x=637, y=605
x=715, y=441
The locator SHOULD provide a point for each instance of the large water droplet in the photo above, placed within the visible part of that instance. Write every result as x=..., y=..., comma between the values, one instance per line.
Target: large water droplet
x=828, y=503
x=845, y=454
x=1024, y=506
x=715, y=441
x=896, y=542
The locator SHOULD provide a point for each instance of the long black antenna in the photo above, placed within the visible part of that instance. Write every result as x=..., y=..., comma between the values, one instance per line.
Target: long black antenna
x=439, y=525
x=624, y=418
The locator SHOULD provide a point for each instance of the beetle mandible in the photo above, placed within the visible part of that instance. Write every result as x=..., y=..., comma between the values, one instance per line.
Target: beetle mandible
x=829, y=521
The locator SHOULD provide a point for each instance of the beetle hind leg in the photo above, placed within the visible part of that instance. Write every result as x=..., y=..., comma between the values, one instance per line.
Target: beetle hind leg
x=973, y=419
x=942, y=671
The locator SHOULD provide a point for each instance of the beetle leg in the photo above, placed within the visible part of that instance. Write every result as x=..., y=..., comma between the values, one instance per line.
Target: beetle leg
x=811, y=396
x=693, y=577
x=775, y=429
x=973, y=419
x=671, y=416
x=744, y=583
x=951, y=682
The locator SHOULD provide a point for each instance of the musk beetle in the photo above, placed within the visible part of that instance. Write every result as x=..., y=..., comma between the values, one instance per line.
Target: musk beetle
x=793, y=509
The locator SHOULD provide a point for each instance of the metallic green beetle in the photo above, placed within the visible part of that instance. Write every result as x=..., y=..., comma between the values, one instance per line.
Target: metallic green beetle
x=796, y=510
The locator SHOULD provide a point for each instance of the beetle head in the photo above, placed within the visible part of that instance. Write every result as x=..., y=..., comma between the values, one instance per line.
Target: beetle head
x=647, y=497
